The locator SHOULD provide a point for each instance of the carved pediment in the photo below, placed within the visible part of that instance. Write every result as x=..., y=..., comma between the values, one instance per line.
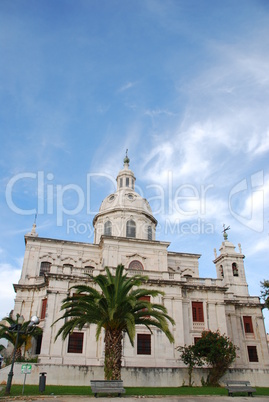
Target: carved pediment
x=90, y=262
x=47, y=257
x=68, y=260
x=136, y=256
x=187, y=272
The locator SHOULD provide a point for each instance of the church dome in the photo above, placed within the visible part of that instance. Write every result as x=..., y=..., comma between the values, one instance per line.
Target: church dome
x=125, y=199
x=122, y=207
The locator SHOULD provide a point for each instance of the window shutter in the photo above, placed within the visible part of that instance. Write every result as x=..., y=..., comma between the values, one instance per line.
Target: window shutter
x=43, y=309
x=197, y=312
x=248, y=324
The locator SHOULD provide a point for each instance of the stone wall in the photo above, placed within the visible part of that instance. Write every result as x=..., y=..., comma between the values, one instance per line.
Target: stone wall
x=132, y=377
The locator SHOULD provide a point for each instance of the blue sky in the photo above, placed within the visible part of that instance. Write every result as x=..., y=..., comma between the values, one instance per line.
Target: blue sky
x=184, y=85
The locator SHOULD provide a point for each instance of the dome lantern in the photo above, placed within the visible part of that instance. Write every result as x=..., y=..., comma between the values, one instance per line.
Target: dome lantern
x=126, y=178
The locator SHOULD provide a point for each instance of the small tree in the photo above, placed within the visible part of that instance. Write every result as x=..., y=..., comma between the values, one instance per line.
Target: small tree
x=265, y=292
x=218, y=352
x=190, y=358
x=8, y=332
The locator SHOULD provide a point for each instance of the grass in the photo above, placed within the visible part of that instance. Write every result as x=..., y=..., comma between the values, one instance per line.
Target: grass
x=16, y=390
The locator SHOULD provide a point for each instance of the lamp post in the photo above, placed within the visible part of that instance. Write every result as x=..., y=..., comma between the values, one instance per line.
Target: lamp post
x=34, y=321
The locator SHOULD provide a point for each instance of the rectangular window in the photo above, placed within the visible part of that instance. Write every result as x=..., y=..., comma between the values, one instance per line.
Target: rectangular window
x=38, y=345
x=146, y=298
x=252, y=354
x=130, y=229
x=143, y=344
x=127, y=181
x=44, y=268
x=197, y=312
x=121, y=182
x=43, y=309
x=149, y=233
x=75, y=342
x=248, y=325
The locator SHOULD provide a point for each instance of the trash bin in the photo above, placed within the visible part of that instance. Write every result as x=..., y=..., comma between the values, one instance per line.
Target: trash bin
x=42, y=381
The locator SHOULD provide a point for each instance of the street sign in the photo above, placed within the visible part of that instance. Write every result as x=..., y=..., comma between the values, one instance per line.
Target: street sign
x=26, y=368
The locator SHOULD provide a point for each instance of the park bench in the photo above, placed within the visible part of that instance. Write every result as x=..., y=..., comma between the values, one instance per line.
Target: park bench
x=239, y=386
x=107, y=387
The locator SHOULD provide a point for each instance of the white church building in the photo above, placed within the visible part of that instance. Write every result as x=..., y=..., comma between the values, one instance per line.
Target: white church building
x=124, y=233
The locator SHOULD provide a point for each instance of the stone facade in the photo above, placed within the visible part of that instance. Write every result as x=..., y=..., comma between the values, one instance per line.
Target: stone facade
x=125, y=233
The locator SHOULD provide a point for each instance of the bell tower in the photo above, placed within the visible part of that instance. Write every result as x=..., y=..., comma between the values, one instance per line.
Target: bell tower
x=230, y=266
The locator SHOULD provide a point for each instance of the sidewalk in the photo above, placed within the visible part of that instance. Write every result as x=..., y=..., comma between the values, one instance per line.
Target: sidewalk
x=182, y=398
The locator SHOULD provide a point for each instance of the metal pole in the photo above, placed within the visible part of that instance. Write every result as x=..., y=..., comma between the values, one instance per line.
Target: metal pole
x=10, y=374
x=24, y=383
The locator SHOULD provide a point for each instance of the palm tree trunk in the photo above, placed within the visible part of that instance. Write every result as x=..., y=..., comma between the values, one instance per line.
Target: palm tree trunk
x=18, y=354
x=113, y=352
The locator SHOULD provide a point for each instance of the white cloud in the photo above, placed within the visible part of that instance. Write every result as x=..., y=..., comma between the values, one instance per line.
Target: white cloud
x=263, y=146
x=9, y=275
x=127, y=86
x=157, y=112
x=258, y=247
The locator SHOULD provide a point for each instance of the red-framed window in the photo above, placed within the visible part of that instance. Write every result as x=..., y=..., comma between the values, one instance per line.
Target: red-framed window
x=143, y=344
x=248, y=324
x=197, y=312
x=146, y=298
x=252, y=354
x=43, y=309
x=75, y=342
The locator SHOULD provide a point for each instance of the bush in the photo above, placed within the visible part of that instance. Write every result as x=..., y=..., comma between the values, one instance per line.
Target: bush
x=218, y=352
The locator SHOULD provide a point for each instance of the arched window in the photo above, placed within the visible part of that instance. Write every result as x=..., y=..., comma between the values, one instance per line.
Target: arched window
x=108, y=228
x=44, y=268
x=130, y=228
x=149, y=233
x=68, y=266
x=235, y=269
x=136, y=265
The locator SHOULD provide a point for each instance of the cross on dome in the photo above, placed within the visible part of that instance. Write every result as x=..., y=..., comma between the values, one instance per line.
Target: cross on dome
x=126, y=159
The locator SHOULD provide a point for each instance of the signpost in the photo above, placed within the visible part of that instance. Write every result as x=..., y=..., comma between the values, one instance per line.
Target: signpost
x=25, y=369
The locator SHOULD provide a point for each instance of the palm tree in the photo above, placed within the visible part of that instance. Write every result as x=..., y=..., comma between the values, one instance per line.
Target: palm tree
x=118, y=307
x=8, y=331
